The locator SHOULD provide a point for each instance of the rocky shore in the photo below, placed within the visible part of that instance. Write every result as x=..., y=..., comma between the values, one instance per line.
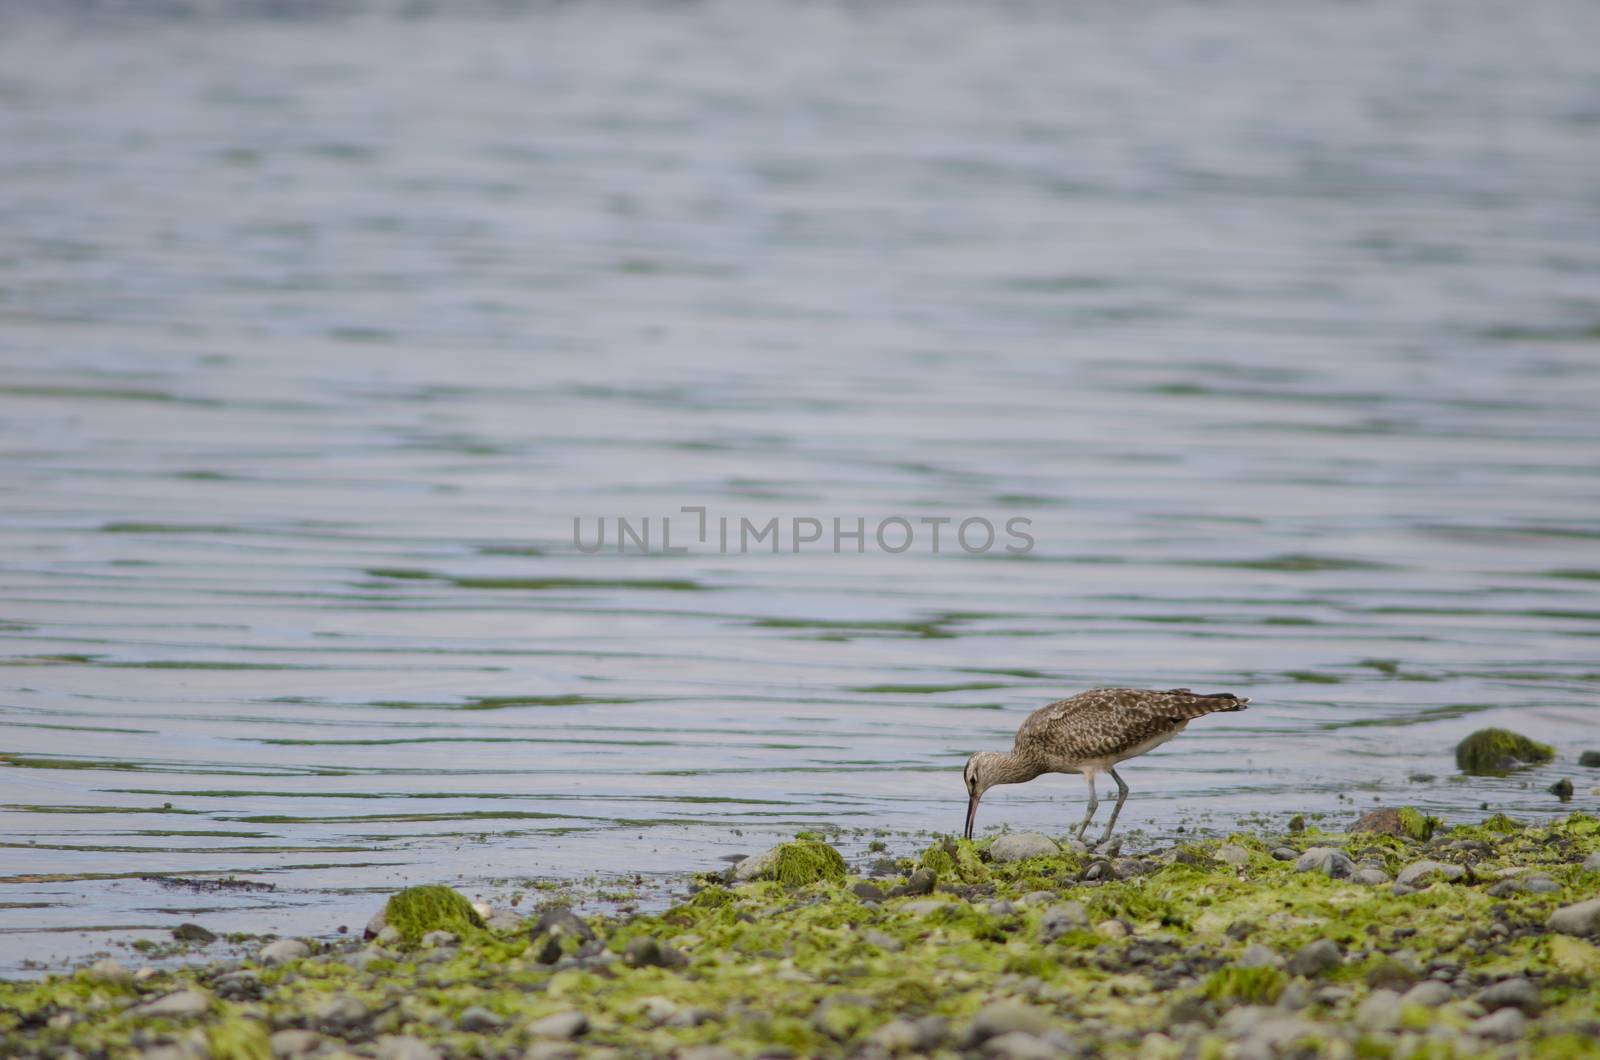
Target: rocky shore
x=1399, y=938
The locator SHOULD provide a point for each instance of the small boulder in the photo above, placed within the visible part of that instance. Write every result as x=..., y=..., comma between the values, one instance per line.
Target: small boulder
x=184, y=1004
x=1562, y=789
x=1019, y=846
x=1506, y=1025
x=1422, y=874
x=1284, y=854
x=283, y=951
x=1489, y=752
x=419, y=911
x=1006, y=1017
x=1592, y=862
x=193, y=933
x=1330, y=861
x=1314, y=958
x=294, y=1042
x=405, y=1047
x=1061, y=919
x=795, y=864
x=921, y=882
x=562, y=1025
x=479, y=1020
x=1015, y=1045
x=1234, y=855
x=1256, y=955
x=1370, y=877
x=1403, y=821
x=1430, y=993
x=1379, y=1012
x=1518, y=993
x=866, y=892
x=1589, y=759
x=341, y=1015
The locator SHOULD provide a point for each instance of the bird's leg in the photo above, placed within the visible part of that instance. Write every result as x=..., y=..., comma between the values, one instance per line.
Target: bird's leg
x=1122, y=797
x=1094, y=804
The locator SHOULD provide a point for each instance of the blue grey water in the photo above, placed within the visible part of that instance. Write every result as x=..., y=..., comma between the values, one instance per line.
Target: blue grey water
x=319, y=324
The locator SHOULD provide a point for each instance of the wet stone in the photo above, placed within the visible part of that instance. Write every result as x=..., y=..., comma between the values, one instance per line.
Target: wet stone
x=341, y=1015
x=866, y=892
x=237, y=986
x=1314, y=958
x=1285, y=854
x=1370, y=877
x=1582, y=919
x=1236, y=856
x=283, y=951
x=1330, y=861
x=193, y=933
x=1430, y=993
x=479, y=1020
x=561, y=922
x=181, y=1005
x=562, y=1025
x=1421, y=874
x=405, y=1047
x=1511, y=993
x=1506, y=1025
x=1019, y=846
x=921, y=882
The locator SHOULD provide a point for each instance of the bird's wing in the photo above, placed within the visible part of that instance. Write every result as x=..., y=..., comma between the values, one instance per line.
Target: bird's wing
x=1105, y=722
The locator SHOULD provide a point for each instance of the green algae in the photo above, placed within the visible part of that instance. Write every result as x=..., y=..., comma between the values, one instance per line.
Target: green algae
x=805, y=862
x=817, y=972
x=416, y=911
x=1491, y=752
x=1417, y=825
x=955, y=859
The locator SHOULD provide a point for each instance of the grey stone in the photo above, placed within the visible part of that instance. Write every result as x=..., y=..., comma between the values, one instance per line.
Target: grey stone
x=405, y=1047
x=1370, y=877
x=109, y=971
x=1272, y=1037
x=377, y=923
x=866, y=891
x=1580, y=919
x=1015, y=1045
x=440, y=939
x=706, y=1052
x=181, y=1005
x=1236, y=856
x=292, y=1043
x=1506, y=1025
x=1284, y=853
x=1429, y=992
x=1256, y=955
x=553, y=1050
x=190, y=932
x=1019, y=846
x=503, y=920
x=1421, y=874
x=923, y=907
x=1379, y=1012
x=1516, y=993
x=561, y=922
x=643, y=951
x=1242, y=1019
x=243, y=985
x=283, y=951
x=1006, y=1017
x=896, y=1037
x=479, y=1020
x=755, y=866
x=1592, y=862
x=389, y=936
x=1330, y=861
x=921, y=882
x=886, y=942
x=341, y=1015
x=1314, y=958
x=1060, y=919
x=560, y=1025
x=1037, y=898
x=1539, y=883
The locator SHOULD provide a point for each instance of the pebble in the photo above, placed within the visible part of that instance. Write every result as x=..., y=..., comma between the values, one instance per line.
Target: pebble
x=867, y=892
x=886, y=942
x=1507, y=1025
x=1330, y=861
x=283, y=951
x=1314, y=958
x=1060, y=919
x=503, y=921
x=1379, y=1012
x=896, y=1036
x=1256, y=955
x=181, y=1005
x=1592, y=862
x=1430, y=993
x=1001, y=908
x=237, y=986
x=193, y=933
x=1037, y=898
x=1371, y=877
x=1111, y=929
x=479, y=1020
x=1580, y=919
x=923, y=907
x=1272, y=1037
x=1516, y=993
x=1421, y=874
x=1285, y=853
x=1006, y=1017
x=294, y=1042
x=561, y=1025
x=553, y=1050
x=562, y=922
x=1019, y=846
x=1015, y=1045
x=921, y=882
x=405, y=1047
x=341, y=1015
x=109, y=971
x=1236, y=856
x=644, y=951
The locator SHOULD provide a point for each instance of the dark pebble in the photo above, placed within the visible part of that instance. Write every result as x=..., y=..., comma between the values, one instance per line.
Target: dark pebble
x=192, y=933
x=867, y=892
x=921, y=882
x=1589, y=759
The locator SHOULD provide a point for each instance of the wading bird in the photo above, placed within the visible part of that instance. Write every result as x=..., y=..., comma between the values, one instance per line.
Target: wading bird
x=1090, y=733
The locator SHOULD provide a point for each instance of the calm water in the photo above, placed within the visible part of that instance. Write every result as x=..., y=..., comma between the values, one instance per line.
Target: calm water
x=1281, y=322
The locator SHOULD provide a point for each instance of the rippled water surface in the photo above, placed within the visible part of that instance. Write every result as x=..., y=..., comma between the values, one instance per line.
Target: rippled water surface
x=1279, y=321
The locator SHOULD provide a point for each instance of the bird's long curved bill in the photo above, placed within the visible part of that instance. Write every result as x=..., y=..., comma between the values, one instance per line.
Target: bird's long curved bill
x=972, y=813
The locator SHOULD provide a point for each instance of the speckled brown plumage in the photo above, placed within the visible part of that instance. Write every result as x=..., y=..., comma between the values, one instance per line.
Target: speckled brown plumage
x=1090, y=733
x=1104, y=724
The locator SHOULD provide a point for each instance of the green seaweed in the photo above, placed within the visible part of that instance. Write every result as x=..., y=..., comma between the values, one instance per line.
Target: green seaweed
x=1250, y=986
x=1492, y=752
x=416, y=911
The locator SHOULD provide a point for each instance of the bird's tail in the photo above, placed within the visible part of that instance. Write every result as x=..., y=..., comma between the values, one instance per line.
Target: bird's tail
x=1210, y=702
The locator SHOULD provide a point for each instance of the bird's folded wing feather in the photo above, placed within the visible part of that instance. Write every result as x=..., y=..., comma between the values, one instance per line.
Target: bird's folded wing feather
x=1108, y=721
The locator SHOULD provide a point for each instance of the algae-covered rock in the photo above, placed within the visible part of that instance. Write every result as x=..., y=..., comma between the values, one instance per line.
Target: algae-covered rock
x=795, y=864
x=1404, y=821
x=1314, y=958
x=417, y=911
x=1423, y=874
x=1589, y=759
x=1019, y=846
x=1489, y=752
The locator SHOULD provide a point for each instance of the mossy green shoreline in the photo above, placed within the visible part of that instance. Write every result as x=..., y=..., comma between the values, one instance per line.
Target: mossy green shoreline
x=1222, y=948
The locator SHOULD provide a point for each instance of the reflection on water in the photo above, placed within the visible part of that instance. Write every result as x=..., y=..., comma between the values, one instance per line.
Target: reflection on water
x=316, y=333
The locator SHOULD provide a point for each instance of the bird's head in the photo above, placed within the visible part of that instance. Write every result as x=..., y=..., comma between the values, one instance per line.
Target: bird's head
x=981, y=774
